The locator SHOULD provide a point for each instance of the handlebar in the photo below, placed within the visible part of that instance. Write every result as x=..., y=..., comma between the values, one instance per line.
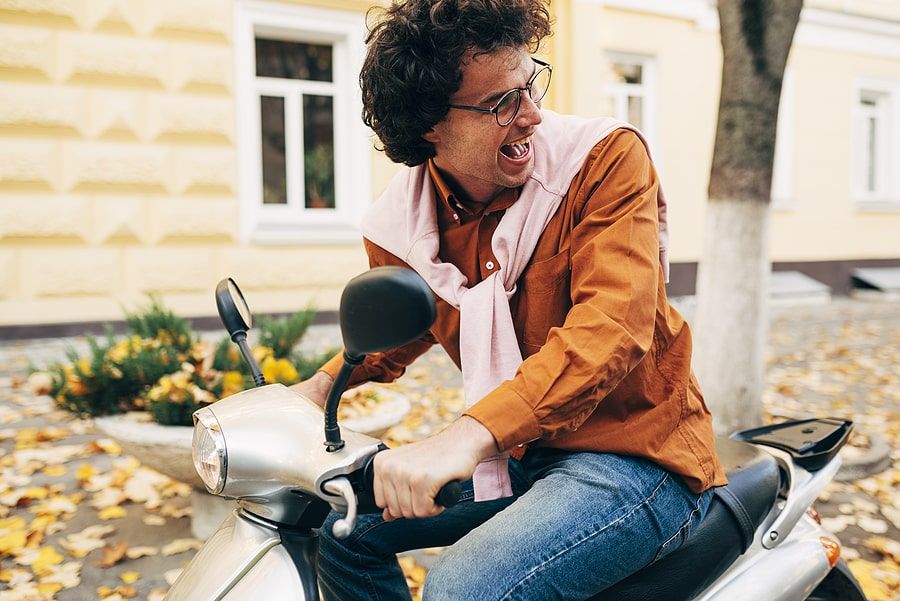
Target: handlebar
x=448, y=496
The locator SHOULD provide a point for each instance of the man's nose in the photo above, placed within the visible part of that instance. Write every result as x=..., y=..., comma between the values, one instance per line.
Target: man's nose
x=529, y=112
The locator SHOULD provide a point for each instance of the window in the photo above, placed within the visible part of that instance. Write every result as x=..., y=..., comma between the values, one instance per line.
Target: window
x=631, y=90
x=304, y=152
x=873, y=146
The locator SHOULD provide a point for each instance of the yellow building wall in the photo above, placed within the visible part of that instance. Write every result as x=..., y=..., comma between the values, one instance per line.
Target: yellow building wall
x=117, y=166
x=118, y=153
x=825, y=222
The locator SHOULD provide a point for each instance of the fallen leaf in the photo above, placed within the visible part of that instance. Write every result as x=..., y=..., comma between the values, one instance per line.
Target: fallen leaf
x=13, y=540
x=106, y=445
x=79, y=544
x=112, y=554
x=138, y=552
x=157, y=594
x=172, y=575
x=130, y=577
x=885, y=546
x=47, y=556
x=180, y=545
x=112, y=513
x=872, y=525
x=154, y=520
x=54, y=471
x=66, y=575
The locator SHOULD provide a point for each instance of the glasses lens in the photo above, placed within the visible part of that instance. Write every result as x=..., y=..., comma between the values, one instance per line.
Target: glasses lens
x=508, y=107
x=540, y=84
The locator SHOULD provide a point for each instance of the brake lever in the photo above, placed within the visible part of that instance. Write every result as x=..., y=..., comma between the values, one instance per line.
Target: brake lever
x=341, y=487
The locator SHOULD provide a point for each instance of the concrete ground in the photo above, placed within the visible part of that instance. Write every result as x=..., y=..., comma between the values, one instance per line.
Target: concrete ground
x=841, y=358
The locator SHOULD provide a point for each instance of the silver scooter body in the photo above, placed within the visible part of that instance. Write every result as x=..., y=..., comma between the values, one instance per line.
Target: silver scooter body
x=786, y=560
x=275, y=450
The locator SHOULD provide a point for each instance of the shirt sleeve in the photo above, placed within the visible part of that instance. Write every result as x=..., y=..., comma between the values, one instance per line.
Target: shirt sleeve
x=609, y=328
x=389, y=365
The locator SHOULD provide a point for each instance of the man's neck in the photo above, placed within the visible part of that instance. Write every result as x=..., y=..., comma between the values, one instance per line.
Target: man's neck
x=473, y=192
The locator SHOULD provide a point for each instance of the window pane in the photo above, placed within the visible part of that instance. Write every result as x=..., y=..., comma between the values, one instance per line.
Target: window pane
x=293, y=60
x=273, y=161
x=628, y=72
x=318, y=151
x=636, y=111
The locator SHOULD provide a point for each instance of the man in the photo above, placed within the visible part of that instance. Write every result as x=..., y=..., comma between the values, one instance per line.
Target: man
x=540, y=236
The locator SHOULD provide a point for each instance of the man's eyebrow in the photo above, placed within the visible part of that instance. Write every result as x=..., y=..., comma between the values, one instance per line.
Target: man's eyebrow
x=498, y=95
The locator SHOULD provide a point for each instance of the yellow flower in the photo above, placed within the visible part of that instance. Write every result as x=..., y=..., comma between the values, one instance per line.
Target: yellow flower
x=232, y=383
x=279, y=370
x=85, y=366
x=261, y=353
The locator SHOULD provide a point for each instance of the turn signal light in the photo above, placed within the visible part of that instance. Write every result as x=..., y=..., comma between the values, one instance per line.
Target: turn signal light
x=832, y=550
x=814, y=515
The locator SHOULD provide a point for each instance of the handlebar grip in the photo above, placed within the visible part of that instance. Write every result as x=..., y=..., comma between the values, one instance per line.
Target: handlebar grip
x=448, y=496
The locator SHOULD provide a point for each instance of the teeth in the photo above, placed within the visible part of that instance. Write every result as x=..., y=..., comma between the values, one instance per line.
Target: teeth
x=524, y=140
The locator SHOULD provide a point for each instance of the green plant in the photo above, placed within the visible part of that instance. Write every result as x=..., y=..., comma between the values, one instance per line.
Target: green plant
x=155, y=321
x=282, y=334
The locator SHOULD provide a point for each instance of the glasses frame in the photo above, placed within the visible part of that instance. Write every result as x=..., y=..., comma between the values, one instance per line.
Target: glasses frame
x=494, y=110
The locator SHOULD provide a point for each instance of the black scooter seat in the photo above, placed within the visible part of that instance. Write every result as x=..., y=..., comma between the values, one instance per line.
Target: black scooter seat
x=735, y=513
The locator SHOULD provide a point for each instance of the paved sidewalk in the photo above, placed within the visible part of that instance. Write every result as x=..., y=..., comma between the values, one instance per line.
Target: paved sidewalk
x=842, y=359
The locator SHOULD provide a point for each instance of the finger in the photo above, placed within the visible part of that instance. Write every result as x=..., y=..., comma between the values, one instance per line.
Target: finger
x=422, y=499
x=387, y=516
x=404, y=499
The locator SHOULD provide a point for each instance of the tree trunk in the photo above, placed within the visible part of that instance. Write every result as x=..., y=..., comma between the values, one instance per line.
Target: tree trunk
x=732, y=280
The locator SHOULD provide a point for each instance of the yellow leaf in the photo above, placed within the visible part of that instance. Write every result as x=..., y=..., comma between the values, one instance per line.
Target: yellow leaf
x=112, y=513
x=13, y=540
x=867, y=573
x=35, y=492
x=41, y=522
x=47, y=556
x=55, y=470
x=49, y=588
x=130, y=577
x=13, y=523
x=85, y=471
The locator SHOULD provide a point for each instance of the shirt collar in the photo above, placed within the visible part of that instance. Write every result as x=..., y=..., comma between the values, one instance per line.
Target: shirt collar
x=453, y=205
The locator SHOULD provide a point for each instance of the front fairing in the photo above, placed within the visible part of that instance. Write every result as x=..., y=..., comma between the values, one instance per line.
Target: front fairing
x=243, y=560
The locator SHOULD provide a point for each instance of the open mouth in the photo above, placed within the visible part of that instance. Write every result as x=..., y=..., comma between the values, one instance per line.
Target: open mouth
x=518, y=149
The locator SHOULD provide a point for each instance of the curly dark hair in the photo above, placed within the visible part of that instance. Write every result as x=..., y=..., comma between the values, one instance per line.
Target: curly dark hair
x=414, y=61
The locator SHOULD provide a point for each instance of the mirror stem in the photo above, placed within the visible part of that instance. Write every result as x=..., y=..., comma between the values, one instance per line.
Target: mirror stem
x=333, y=441
x=241, y=339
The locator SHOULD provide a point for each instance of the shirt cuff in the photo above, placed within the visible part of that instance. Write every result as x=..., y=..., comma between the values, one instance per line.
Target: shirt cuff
x=333, y=366
x=507, y=416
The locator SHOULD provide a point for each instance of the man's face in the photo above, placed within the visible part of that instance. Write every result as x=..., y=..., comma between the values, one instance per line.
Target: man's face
x=473, y=152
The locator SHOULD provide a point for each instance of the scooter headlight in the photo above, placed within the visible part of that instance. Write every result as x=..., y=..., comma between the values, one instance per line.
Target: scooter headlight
x=210, y=456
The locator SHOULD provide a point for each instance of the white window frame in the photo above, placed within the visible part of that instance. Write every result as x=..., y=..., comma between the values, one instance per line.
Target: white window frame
x=886, y=196
x=294, y=223
x=784, y=195
x=647, y=90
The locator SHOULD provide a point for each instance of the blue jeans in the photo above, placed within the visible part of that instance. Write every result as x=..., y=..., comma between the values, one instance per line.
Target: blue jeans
x=576, y=523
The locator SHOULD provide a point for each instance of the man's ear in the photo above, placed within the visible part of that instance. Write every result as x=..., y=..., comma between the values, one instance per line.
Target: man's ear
x=431, y=136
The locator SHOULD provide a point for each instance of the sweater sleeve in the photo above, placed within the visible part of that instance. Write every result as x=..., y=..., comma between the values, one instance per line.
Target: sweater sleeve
x=388, y=365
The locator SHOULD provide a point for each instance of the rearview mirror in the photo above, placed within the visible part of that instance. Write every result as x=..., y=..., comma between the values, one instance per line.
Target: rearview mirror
x=233, y=309
x=384, y=308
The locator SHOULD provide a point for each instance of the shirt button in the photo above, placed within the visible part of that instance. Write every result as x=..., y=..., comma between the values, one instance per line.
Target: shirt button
x=455, y=216
x=489, y=264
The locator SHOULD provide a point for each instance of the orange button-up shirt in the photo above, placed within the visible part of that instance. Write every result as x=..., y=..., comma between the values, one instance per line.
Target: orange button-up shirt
x=607, y=359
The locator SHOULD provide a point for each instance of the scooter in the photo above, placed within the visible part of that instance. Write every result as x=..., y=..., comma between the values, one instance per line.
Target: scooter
x=266, y=449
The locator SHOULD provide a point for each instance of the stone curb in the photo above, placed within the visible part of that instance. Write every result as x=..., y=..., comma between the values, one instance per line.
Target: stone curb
x=876, y=460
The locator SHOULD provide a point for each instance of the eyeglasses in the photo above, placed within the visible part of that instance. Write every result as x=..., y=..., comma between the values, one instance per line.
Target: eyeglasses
x=507, y=107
